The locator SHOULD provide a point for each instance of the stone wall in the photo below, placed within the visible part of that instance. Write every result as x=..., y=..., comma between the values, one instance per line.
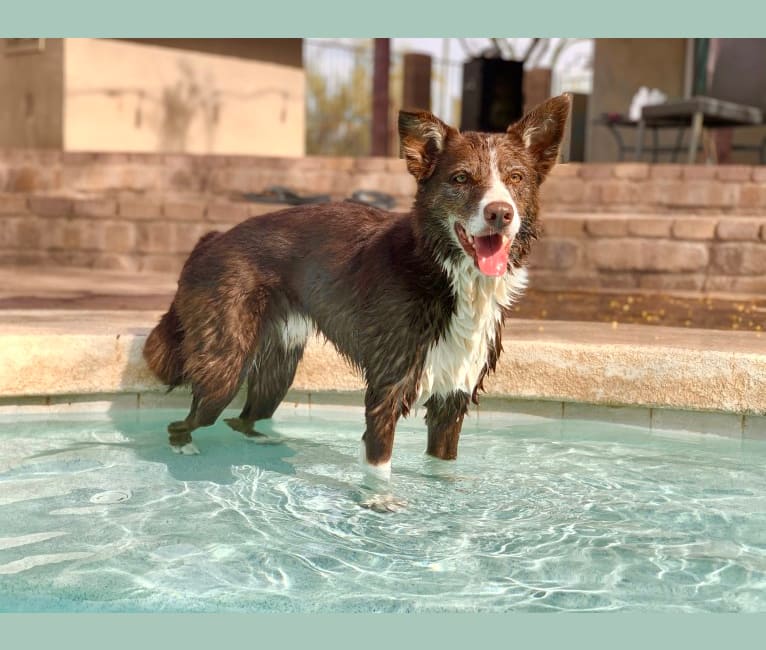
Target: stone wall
x=607, y=226
x=656, y=227
x=122, y=233
x=697, y=253
x=139, y=173
x=574, y=187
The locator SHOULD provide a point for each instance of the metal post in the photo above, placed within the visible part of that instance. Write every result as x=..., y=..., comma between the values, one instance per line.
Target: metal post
x=640, y=140
x=696, y=135
x=380, y=128
x=416, y=91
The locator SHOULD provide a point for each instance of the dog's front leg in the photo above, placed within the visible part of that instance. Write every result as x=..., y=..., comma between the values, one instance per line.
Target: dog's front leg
x=383, y=407
x=444, y=417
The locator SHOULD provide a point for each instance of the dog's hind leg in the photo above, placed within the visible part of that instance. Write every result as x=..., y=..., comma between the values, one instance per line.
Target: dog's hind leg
x=269, y=379
x=179, y=432
x=208, y=402
x=216, y=353
x=444, y=418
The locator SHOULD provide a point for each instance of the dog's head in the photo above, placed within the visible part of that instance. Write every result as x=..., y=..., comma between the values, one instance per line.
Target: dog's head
x=477, y=192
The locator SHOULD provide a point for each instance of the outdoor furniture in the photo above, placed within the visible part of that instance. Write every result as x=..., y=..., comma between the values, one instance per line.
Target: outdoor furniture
x=697, y=113
x=616, y=122
x=735, y=97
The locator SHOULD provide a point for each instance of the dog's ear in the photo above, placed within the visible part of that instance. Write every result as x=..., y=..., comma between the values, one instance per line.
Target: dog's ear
x=421, y=139
x=542, y=129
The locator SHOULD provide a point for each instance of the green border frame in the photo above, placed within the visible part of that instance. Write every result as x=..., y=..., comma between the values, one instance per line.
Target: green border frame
x=336, y=18
x=403, y=18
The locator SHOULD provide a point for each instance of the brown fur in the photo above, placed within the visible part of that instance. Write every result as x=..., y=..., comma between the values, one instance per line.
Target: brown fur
x=372, y=282
x=162, y=349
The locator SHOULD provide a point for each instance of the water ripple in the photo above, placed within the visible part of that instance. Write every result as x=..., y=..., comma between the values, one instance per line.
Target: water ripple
x=543, y=517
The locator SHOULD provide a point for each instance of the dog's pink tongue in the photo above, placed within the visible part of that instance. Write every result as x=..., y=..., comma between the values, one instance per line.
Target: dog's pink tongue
x=491, y=255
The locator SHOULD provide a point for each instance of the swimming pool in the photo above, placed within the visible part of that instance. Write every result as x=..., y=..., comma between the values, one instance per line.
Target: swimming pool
x=97, y=514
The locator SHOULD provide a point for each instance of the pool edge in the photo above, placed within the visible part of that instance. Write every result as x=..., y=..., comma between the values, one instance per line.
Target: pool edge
x=561, y=363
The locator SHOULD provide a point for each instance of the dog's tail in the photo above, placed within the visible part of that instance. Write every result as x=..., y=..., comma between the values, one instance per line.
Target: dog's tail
x=163, y=350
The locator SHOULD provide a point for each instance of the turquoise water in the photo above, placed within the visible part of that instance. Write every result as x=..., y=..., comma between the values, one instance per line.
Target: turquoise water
x=97, y=514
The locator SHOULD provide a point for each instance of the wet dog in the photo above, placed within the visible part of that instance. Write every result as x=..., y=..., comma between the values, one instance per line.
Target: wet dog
x=415, y=301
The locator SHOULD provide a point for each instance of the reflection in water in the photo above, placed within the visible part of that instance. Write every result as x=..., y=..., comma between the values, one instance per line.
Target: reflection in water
x=99, y=515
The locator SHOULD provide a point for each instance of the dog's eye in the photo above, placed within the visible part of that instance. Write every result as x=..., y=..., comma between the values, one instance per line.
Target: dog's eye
x=516, y=177
x=460, y=178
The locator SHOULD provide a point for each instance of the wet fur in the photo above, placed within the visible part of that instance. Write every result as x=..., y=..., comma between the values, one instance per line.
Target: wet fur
x=385, y=288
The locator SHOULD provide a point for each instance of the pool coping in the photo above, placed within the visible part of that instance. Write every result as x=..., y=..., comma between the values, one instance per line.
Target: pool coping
x=48, y=355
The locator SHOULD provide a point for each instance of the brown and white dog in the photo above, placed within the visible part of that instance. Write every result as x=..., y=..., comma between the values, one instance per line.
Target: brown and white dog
x=415, y=301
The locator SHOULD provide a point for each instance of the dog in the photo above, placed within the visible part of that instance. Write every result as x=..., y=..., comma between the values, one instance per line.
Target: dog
x=414, y=301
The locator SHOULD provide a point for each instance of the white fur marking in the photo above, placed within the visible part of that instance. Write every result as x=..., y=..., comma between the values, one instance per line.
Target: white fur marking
x=456, y=360
x=380, y=472
x=498, y=191
x=189, y=449
x=296, y=330
x=529, y=134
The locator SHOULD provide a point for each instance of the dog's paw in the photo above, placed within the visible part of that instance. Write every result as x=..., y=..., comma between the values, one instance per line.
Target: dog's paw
x=244, y=427
x=189, y=449
x=383, y=503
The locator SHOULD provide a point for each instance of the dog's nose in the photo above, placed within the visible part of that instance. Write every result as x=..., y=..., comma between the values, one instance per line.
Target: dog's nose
x=498, y=213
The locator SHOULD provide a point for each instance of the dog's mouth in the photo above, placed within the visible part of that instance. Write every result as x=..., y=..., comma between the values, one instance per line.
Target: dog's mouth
x=489, y=252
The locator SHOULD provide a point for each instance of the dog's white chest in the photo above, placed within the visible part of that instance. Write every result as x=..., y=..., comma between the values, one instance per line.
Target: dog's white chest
x=456, y=360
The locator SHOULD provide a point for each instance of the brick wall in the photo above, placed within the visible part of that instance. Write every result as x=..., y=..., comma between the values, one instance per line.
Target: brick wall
x=51, y=172
x=667, y=252
x=613, y=187
x=658, y=188
x=607, y=226
x=125, y=232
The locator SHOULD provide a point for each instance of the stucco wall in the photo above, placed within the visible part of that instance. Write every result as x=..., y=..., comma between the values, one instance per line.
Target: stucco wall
x=121, y=95
x=31, y=91
x=126, y=96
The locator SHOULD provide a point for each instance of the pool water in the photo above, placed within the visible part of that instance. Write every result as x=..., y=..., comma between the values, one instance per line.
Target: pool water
x=97, y=514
